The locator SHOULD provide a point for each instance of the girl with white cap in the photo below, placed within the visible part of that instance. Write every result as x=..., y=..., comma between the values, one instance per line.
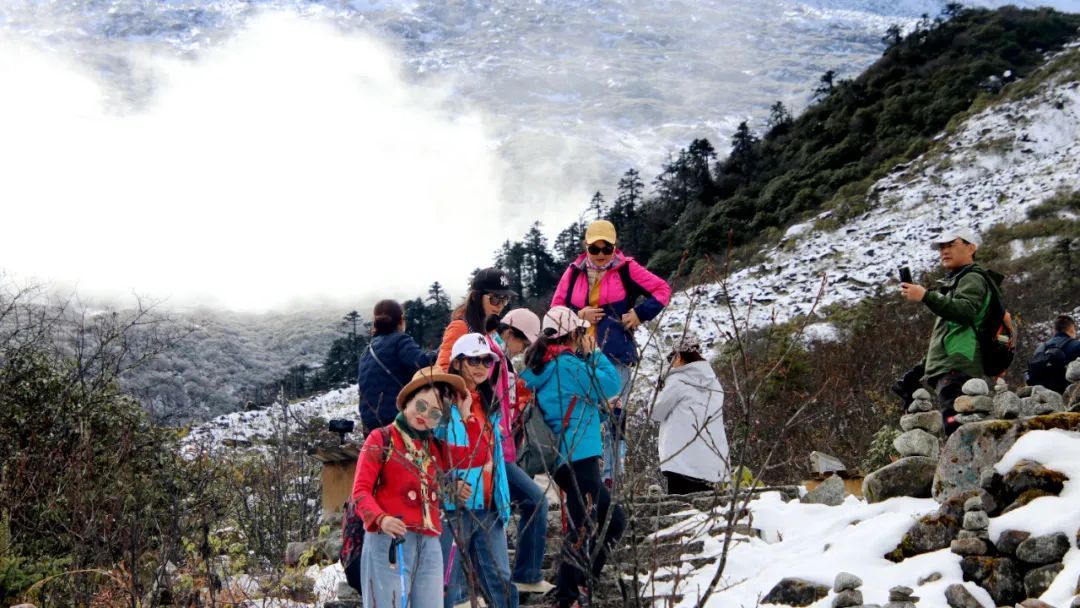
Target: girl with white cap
x=477, y=526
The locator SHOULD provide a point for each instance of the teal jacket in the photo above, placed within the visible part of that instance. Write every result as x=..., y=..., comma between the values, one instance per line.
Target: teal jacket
x=593, y=381
x=455, y=434
x=960, y=303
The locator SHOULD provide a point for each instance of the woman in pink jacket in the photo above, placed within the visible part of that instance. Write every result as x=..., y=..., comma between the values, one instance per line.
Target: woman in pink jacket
x=614, y=293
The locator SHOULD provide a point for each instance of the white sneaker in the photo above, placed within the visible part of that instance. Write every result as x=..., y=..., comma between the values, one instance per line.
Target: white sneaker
x=540, y=587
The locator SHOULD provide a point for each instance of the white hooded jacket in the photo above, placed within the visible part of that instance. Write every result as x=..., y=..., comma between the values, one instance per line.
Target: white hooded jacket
x=690, y=411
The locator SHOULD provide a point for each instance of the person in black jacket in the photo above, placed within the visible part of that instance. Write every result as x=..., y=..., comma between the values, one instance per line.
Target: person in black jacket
x=1048, y=364
x=391, y=359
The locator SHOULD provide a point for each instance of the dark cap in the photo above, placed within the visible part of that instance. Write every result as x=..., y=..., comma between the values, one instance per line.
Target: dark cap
x=491, y=280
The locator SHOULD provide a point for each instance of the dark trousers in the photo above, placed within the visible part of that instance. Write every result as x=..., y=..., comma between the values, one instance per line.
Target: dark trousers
x=588, y=503
x=681, y=484
x=948, y=387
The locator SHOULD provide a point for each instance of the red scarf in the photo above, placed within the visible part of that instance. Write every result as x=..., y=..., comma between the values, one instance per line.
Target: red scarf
x=554, y=351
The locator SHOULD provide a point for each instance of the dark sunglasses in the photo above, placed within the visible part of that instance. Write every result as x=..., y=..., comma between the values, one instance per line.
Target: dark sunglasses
x=606, y=249
x=478, y=361
x=498, y=299
x=426, y=410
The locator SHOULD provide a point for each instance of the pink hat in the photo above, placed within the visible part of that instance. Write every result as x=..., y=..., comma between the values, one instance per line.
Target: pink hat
x=525, y=321
x=560, y=321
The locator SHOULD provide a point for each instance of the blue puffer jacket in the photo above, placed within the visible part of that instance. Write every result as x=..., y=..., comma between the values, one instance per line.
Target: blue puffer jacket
x=455, y=433
x=378, y=389
x=593, y=380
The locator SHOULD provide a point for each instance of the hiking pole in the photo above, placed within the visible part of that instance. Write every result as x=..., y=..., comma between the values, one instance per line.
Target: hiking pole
x=449, y=569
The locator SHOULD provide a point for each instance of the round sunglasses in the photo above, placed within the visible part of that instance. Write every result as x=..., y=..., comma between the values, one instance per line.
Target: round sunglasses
x=432, y=413
x=606, y=249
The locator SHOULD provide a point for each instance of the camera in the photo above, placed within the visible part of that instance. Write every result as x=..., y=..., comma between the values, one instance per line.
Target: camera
x=341, y=427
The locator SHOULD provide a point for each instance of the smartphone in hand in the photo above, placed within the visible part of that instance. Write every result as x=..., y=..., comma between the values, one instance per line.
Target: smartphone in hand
x=905, y=275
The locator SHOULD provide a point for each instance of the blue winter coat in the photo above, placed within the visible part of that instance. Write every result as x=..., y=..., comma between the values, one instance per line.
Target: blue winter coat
x=593, y=380
x=378, y=389
x=454, y=433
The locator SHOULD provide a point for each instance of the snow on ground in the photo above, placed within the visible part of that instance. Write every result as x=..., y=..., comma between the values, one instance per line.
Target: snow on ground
x=815, y=542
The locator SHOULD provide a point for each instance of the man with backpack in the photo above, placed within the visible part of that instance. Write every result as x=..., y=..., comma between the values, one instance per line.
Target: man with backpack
x=967, y=303
x=1047, y=365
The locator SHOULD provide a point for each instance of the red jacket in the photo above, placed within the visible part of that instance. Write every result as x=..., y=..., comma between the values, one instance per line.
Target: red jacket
x=397, y=486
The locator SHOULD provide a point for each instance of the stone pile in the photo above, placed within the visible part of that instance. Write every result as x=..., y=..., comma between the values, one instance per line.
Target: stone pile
x=901, y=597
x=918, y=445
x=847, y=591
x=975, y=405
x=975, y=537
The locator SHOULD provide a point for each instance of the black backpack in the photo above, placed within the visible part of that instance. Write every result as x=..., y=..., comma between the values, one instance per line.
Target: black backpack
x=996, y=337
x=1047, y=366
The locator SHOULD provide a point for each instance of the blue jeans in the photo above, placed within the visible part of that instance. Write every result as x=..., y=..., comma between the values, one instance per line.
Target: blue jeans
x=481, y=548
x=613, y=428
x=381, y=580
x=532, y=506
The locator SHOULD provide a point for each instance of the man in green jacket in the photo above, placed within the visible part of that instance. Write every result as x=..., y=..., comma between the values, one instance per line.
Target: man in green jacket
x=960, y=303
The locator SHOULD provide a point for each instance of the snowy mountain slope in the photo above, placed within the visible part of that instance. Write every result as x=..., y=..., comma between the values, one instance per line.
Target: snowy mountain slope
x=998, y=163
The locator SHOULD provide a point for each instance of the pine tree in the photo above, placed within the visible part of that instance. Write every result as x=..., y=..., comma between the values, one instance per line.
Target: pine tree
x=568, y=243
x=541, y=274
x=743, y=157
x=825, y=86
x=779, y=120
x=597, y=206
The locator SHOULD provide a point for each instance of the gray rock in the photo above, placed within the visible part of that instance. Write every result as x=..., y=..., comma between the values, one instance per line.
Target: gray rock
x=974, y=448
x=980, y=534
x=910, y=476
x=331, y=548
x=900, y=605
x=976, y=520
x=1024, y=392
x=331, y=518
x=846, y=581
x=1038, y=580
x=1009, y=540
x=1072, y=372
x=976, y=568
x=23, y=606
x=1000, y=386
x=1043, y=549
x=927, y=421
x=930, y=578
x=829, y=492
x=795, y=592
x=1007, y=405
x=975, y=386
x=848, y=598
x=964, y=404
x=1041, y=402
x=917, y=442
x=921, y=394
x=971, y=418
x=1034, y=603
x=822, y=463
x=958, y=596
x=975, y=503
x=969, y=546
x=900, y=593
x=294, y=550
x=921, y=406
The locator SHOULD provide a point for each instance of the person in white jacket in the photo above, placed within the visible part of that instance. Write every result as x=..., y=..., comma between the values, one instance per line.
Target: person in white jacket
x=690, y=409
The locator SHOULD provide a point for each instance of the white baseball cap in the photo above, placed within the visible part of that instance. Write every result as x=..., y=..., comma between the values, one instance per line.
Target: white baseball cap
x=560, y=320
x=471, y=345
x=951, y=235
x=525, y=321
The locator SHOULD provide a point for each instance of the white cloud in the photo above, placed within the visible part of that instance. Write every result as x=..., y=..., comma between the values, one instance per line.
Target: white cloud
x=292, y=161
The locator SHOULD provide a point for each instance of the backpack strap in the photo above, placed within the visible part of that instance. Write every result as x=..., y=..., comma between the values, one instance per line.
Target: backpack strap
x=630, y=286
x=371, y=349
x=569, y=411
x=575, y=272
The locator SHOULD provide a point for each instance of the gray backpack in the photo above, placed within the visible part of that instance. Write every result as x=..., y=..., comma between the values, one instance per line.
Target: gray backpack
x=539, y=452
